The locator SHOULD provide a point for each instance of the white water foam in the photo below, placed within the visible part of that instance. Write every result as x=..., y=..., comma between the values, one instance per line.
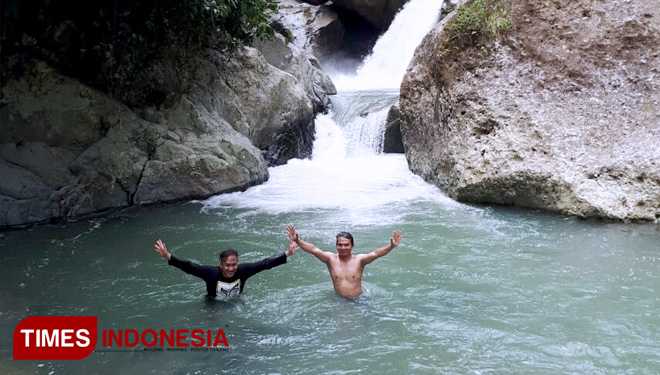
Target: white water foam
x=333, y=179
x=347, y=170
x=386, y=65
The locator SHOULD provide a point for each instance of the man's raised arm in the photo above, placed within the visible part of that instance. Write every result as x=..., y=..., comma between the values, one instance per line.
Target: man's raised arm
x=323, y=256
x=250, y=269
x=381, y=251
x=184, y=265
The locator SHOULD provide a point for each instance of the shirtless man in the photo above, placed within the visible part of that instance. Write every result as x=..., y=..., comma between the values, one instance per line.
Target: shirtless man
x=345, y=268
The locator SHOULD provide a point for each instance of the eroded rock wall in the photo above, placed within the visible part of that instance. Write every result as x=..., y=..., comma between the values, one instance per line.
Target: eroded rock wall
x=561, y=113
x=67, y=150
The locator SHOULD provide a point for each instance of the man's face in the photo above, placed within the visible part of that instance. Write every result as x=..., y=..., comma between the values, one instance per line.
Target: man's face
x=229, y=265
x=344, y=246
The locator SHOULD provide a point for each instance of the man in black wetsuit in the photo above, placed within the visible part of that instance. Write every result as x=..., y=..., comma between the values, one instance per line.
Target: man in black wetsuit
x=228, y=279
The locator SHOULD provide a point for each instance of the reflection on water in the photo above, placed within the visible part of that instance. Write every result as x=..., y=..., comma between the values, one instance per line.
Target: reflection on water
x=470, y=290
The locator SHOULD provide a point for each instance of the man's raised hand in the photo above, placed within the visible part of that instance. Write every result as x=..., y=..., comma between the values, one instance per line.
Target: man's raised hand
x=293, y=235
x=293, y=247
x=161, y=249
x=396, y=238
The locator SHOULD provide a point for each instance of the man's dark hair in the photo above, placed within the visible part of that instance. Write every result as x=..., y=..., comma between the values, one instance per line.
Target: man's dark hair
x=228, y=253
x=347, y=236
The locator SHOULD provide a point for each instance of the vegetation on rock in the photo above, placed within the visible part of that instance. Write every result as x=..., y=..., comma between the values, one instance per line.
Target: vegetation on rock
x=474, y=26
x=107, y=43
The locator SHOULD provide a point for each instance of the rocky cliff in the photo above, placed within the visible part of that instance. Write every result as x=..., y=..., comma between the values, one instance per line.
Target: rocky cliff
x=561, y=112
x=68, y=150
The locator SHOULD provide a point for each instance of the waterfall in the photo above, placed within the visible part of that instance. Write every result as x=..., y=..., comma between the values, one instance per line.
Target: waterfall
x=347, y=170
x=362, y=115
x=370, y=92
x=385, y=66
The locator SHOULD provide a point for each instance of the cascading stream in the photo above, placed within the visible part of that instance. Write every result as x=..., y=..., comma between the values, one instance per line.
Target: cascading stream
x=347, y=168
x=385, y=66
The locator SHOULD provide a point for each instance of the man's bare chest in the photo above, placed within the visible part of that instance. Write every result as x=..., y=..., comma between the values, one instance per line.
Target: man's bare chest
x=345, y=271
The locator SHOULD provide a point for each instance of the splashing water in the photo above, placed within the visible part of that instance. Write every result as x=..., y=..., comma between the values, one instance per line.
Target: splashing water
x=385, y=66
x=347, y=170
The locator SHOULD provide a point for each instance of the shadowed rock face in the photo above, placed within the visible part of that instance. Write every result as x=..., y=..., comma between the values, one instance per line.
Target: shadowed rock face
x=392, y=143
x=67, y=150
x=303, y=66
x=314, y=29
x=562, y=113
x=379, y=13
x=337, y=37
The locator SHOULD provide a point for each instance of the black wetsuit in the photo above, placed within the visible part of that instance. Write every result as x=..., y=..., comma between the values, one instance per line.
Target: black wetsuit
x=219, y=286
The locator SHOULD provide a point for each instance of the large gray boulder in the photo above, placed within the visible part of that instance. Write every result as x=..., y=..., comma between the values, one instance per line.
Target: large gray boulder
x=303, y=66
x=67, y=150
x=266, y=104
x=562, y=114
x=315, y=29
